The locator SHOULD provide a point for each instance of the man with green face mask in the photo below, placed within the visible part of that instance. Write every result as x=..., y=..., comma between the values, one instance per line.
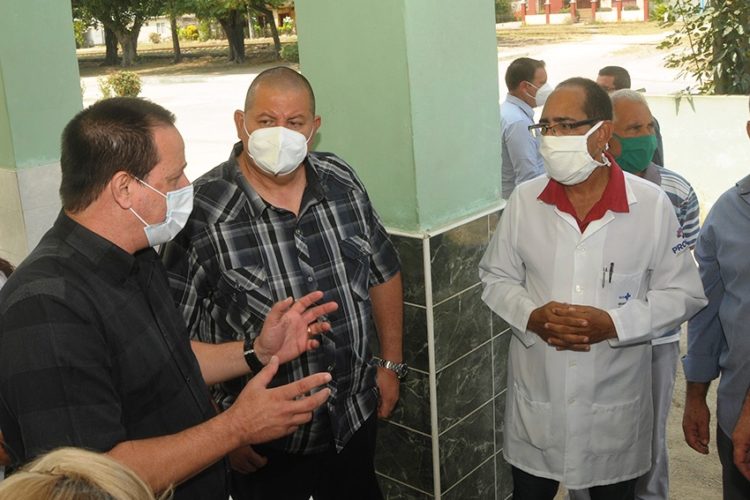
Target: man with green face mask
x=633, y=144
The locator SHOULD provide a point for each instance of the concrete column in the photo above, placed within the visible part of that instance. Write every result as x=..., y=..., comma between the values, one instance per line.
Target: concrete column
x=408, y=95
x=39, y=93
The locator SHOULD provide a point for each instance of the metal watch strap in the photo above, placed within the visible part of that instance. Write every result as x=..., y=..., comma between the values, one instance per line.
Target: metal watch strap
x=250, y=357
x=400, y=369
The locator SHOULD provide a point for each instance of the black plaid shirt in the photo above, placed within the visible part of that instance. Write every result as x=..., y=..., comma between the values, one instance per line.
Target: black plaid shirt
x=93, y=352
x=239, y=255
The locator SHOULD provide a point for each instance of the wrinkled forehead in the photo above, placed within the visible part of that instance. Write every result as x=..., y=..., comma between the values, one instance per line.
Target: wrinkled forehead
x=565, y=104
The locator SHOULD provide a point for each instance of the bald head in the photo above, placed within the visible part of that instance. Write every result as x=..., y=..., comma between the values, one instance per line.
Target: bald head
x=280, y=79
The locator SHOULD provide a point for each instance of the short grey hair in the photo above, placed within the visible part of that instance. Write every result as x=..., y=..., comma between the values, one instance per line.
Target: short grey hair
x=628, y=95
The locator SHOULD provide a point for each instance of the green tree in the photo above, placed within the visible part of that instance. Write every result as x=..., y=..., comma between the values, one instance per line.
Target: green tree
x=124, y=19
x=231, y=16
x=712, y=44
x=172, y=9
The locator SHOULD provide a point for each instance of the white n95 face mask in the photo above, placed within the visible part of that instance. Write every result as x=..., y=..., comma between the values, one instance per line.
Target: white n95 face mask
x=179, y=206
x=566, y=157
x=542, y=93
x=277, y=150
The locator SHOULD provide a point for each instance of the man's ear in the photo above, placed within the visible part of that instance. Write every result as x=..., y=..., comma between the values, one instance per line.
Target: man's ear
x=239, y=124
x=121, y=186
x=604, y=134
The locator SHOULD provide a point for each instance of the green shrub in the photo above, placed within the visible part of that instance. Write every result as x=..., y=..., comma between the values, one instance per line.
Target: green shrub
x=290, y=52
x=154, y=37
x=204, y=31
x=189, y=32
x=120, y=83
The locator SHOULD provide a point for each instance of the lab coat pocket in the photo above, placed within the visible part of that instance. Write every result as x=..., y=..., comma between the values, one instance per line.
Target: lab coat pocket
x=620, y=289
x=530, y=420
x=615, y=427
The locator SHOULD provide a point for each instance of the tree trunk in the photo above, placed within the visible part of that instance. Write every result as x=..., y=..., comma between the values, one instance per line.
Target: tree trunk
x=234, y=27
x=274, y=31
x=110, y=42
x=125, y=38
x=175, y=38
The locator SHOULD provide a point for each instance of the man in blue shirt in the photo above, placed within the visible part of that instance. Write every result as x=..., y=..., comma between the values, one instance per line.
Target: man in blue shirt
x=717, y=339
x=526, y=80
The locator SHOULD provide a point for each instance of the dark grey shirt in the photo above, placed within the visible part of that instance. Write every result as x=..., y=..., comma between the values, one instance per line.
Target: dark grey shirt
x=93, y=352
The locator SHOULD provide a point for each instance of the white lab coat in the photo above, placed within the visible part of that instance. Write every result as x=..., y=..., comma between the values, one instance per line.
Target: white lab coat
x=585, y=418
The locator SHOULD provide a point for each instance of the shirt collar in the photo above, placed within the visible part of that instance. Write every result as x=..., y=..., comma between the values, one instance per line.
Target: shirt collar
x=743, y=186
x=613, y=198
x=528, y=110
x=103, y=256
x=314, y=190
x=652, y=174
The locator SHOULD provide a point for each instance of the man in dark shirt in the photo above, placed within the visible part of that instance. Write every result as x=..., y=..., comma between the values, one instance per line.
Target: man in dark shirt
x=93, y=352
x=277, y=220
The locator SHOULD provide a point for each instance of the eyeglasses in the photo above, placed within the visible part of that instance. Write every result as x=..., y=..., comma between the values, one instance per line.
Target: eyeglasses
x=541, y=129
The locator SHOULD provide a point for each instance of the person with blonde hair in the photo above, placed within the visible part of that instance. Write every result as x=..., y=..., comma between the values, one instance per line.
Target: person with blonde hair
x=76, y=474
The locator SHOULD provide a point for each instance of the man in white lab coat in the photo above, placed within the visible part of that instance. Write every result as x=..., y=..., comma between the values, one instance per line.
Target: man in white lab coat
x=587, y=265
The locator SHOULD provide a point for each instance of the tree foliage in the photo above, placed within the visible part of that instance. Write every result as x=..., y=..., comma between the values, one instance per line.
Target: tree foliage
x=124, y=19
x=712, y=44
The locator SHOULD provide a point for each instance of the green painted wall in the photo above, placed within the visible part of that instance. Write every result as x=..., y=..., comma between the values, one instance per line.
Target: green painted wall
x=408, y=93
x=40, y=81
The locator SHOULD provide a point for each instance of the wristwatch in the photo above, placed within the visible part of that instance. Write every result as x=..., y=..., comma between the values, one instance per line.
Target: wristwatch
x=400, y=369
x=250, y=357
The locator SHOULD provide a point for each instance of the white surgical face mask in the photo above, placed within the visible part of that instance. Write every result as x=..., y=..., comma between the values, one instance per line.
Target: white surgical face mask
x=277, y=150
x=542, y=93
x=179, y=206
x=567, y=159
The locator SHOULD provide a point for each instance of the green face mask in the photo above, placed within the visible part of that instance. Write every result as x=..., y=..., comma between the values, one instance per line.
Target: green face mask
x=636, y=152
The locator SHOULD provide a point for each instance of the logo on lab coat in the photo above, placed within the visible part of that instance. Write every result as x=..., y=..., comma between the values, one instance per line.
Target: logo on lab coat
x=622, y=299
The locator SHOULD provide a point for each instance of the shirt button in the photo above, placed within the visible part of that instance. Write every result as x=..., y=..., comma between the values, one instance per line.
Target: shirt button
x=572, y=364
x=309, y=279
x=298, y=232
x=331, y=367
x=581, y=249
x=579, y=288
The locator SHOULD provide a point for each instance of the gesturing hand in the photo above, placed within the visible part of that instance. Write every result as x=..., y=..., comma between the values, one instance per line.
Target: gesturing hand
x=290, y=328
x=260, y=414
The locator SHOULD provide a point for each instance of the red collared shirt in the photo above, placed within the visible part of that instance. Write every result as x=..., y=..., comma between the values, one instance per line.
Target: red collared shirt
x=613, y=198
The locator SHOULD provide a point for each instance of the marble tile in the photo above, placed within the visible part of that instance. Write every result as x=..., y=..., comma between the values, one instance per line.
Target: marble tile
x=415, y=337
x=503, y=478
x=412, y=267
x=393, y=490
x=499, y=402
x=454, y=257
x=413, y=408
x=461, y=324
x=500, y=345
x=479, y=485
x=404, y=455
x=464, y=386
x=499, y=325
x=466, y=446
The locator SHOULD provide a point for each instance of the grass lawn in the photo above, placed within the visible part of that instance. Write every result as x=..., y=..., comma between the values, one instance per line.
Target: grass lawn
x=210, y=57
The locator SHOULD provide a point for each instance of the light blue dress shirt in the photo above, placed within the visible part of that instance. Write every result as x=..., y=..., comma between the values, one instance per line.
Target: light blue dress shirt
x=521, y=158
x=718, y=336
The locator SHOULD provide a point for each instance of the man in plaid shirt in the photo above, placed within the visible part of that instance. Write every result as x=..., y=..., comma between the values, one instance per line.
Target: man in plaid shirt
x=276, y=221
